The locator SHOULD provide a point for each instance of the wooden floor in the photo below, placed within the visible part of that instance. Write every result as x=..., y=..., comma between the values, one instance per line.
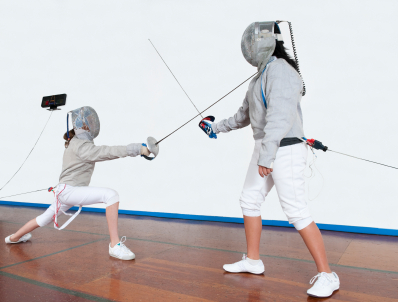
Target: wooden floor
x=181, y=260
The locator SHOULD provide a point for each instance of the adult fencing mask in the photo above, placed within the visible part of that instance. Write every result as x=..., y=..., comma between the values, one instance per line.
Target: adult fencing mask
x=85, y=122
x=258, y=42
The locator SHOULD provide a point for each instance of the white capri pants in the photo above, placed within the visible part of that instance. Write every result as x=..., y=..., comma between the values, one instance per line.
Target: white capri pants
x=288, y=178
x=76, y=196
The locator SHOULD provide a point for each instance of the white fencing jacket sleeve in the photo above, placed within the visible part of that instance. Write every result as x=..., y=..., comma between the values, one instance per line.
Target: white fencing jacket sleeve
x=240, y=119
x=283, y=94
x=88, y=152
x=80, y=158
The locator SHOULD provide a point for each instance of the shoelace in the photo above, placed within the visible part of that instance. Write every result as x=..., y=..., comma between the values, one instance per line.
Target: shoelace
x=244, y=257
x=123, y=248
x=321, y=277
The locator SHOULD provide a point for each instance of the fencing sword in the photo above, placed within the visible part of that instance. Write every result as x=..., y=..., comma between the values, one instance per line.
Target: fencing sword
x=175, y=77
x=152, y=143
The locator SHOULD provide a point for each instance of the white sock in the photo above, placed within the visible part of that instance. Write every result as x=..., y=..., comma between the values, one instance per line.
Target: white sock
x=254, y=262
x=331, y=275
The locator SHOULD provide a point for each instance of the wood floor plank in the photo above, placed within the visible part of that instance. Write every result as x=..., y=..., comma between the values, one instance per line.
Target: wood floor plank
x=12, y=290
x=382, y=254
x=162, y=265
x=179, y=260
x=119, y=290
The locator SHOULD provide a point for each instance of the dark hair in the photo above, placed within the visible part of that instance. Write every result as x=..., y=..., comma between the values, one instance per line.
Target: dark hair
x=280, y=53
x=71, y=135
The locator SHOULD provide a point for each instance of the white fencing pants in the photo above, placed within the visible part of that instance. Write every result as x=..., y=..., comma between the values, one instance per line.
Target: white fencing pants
x=288, y=178
x=77, y=196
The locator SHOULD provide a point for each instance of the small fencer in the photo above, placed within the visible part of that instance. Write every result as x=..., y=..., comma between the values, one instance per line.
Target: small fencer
x=272, y=108
x=73, y=189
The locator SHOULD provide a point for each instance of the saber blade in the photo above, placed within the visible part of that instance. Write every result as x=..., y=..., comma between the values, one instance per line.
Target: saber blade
x=175, y=78
x=200, y=113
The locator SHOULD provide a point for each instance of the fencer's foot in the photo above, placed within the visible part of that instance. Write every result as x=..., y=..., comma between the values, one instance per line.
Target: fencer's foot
x=121, y=251
x=244, y=266
x=324, y=286
x=24, y=238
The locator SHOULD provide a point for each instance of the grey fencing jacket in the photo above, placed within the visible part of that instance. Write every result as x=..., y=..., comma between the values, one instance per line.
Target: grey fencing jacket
x=282, y=117
x=80, y=158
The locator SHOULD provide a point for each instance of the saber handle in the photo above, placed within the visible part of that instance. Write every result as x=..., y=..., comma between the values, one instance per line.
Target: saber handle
x=153, y=147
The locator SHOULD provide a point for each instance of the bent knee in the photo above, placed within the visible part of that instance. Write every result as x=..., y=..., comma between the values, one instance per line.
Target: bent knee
x=43, y=219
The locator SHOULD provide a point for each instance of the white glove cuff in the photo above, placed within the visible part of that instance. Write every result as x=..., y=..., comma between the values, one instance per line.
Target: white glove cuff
x=215, y=129
x=134, y=149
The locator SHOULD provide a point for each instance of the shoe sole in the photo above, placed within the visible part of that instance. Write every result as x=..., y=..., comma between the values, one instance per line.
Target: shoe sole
x=121, y=258
x=323, y=296
x=20, y=241
x=255, y=273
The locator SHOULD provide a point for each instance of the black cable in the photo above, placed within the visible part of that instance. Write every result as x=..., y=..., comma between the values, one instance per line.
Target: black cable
x=174, y=77
x=207, y=108
x=29, y=152
x=295, y=54
x=363, y=159
x=23, y=193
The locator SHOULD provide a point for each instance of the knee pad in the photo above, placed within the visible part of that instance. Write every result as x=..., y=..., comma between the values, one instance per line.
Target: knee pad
x=111, y=197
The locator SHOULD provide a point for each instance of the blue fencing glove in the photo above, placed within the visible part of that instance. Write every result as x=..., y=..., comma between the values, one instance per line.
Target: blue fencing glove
x=205, y=125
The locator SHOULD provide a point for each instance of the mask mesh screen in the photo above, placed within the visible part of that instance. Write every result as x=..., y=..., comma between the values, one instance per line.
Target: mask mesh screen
x=247, y=43
x=87, y=119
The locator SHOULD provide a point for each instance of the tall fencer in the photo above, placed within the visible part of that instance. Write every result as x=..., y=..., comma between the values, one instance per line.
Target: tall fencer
x=272, y=108
x=78, y=164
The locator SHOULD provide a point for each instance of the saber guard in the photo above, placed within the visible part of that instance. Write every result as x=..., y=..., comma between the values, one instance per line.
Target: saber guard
x=153, y=148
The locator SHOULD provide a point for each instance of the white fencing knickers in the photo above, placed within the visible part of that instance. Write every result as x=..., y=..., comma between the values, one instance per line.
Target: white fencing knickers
x=288, y=178
x=70, y=196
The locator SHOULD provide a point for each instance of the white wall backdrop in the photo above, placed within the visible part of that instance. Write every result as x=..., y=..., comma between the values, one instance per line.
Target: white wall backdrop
x=98, y=53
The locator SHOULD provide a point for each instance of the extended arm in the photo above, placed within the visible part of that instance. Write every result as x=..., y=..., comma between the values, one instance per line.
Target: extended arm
x=90, y=153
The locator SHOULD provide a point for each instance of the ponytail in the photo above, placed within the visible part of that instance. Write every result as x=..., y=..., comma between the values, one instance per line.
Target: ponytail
x=281, y=53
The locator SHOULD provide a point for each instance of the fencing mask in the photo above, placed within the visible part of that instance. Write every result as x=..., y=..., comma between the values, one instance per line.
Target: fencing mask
x=85, y=123
x=258, y=42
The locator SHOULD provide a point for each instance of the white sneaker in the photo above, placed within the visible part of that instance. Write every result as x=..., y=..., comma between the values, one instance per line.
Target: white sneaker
x=324, y=286
x=24, y=238
x=244, y=266
x=121, y=251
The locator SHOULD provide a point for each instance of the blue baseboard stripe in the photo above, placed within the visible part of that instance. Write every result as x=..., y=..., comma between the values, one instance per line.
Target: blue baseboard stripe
x=322, y=226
